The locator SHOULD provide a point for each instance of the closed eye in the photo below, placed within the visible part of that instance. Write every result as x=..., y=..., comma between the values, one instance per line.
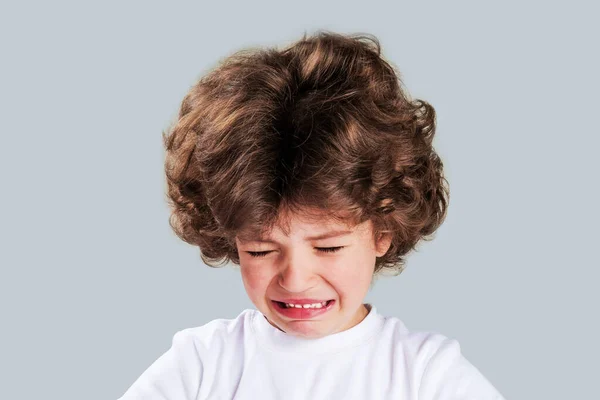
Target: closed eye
x=321, y=249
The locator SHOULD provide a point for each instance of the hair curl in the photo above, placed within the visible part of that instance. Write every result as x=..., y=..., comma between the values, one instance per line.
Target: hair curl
x=322, y=124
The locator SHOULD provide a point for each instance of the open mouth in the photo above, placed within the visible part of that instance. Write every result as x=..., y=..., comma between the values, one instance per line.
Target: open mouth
x=322, y=305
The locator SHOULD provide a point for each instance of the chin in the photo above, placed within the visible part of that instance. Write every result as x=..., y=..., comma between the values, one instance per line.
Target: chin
x=304, y=329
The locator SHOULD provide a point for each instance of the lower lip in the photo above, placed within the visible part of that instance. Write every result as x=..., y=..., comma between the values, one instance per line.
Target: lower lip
x=302, y=313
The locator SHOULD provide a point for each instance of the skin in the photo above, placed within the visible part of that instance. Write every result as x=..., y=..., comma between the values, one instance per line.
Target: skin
x=294, y=268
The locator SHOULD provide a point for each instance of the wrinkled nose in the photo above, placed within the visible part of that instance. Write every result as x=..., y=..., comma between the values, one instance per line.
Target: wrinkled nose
x=297, y=277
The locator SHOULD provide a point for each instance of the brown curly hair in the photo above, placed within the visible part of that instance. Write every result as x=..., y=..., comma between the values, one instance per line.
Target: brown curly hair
x=321, y=124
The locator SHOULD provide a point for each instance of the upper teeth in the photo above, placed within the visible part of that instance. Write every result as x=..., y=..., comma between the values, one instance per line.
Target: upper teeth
x=314, y=305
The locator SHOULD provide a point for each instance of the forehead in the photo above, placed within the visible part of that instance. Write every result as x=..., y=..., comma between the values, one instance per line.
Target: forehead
x=320, y=236
x=305, y=228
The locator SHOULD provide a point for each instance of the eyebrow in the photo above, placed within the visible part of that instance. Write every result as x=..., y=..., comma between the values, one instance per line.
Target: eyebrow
x=326, y=235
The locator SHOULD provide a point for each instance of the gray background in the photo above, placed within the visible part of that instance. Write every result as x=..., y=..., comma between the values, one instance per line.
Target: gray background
x=94, y=284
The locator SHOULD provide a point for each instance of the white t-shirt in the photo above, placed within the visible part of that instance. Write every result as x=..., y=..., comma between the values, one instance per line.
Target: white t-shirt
x=248, y=358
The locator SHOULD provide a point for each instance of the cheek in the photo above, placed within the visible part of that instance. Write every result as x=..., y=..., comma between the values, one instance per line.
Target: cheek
x=256, y=279
x=353, y=272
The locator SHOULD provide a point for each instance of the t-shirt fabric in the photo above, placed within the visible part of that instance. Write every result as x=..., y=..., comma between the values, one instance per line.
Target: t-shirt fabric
x=248, y=358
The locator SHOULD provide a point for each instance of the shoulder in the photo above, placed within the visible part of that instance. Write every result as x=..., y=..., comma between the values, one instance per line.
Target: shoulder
x=190, y=361
x=421, y=346
x=217, y=328
x=437, y=363
x=214, y=332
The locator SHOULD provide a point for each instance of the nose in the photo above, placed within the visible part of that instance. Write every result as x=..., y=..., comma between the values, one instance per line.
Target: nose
x=297, y=276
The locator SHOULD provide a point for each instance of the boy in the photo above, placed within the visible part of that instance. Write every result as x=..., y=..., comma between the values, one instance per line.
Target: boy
x=311, y=169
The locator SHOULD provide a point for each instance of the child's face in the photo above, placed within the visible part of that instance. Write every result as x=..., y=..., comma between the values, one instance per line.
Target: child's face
x=294, y=269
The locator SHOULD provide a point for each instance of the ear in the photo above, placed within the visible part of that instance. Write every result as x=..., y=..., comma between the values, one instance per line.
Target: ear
x=383, y=243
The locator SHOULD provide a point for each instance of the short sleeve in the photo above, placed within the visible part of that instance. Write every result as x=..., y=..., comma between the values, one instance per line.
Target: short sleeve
x=448, y=375
x=175, y=375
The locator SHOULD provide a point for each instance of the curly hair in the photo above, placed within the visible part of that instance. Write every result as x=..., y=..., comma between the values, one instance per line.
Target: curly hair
x=321, y=124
